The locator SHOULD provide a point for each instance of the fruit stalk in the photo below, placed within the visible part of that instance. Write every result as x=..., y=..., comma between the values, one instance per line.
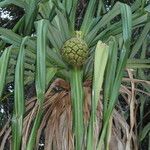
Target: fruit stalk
x=77, y=105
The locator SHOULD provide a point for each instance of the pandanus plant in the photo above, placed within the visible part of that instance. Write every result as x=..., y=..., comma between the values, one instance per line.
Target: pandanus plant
x=46, y=44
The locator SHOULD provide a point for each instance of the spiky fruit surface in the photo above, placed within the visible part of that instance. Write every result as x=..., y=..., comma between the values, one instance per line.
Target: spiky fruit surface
x=75, y=51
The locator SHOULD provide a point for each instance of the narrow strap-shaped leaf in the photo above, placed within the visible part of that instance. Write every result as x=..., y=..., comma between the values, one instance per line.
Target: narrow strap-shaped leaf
x=116, y=10
x=59, y=5
x=88, y=16
x=26, y=65
x=50, y=73
x=17, y=120
x=40, y=78
x=138, y=63
x=55, y=59
x=4, y=59
x=140, y=40
x=19, y=3
x=100, y=61
x=145, y=131
x=141, y=72
x=127, y=24
x=72, y=14
x=12, y=37
x=136, y=5
x=63, y=25
x=19, y=26
x=116, y=28
x=68, y=5
x=100, y=8
x=147, y=8
x=55, y=37
x=110, y=72
x=138, y=66
x=47, y=10
x=30, y=15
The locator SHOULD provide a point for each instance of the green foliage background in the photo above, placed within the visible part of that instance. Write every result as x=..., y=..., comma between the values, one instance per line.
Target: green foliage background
x=30, y=53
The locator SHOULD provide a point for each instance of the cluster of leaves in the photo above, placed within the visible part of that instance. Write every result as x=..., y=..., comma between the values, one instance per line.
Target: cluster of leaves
x=31, y=52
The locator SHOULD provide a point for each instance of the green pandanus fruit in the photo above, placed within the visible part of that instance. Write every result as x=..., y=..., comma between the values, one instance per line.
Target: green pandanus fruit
x=75, y=50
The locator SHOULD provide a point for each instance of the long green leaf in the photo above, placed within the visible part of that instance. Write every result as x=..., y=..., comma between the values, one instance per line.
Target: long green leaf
x=138, y=63
x=47, y=10
x=101, y=56
x=126, y=22
x=140, y=40
x=4, y=59
x=116, y=10
x=55, y=37
x=110, y=72
x=55, y=59
x=72, y=14
x=40, y=78
x=11, y=37
x=50, y=73
x=116, y=28
x=88, y=16
x=30, y=15
x=68, y=5
x=63, y=25
x=19, y=3
x=145, y=131
x=19, y=106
